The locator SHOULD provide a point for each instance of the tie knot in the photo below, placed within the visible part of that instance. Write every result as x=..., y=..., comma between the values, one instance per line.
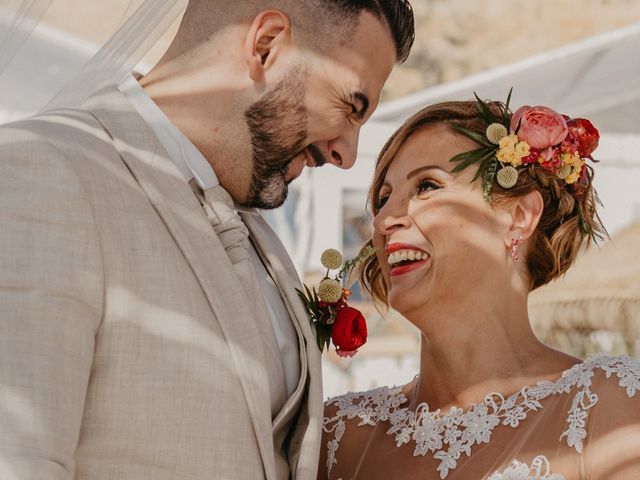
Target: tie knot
x=227, y=224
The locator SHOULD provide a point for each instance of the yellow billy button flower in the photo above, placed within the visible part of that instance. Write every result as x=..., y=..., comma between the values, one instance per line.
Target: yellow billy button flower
x=496, y=132
x=507, y=177
x=329, y=290
x=331, y=259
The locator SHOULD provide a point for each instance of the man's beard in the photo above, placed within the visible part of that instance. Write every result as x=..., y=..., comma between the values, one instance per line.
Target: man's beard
x=278, y=128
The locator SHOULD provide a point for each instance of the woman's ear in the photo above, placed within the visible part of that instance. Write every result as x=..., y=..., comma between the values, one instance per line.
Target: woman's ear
x=269, y=30
x=526, y=211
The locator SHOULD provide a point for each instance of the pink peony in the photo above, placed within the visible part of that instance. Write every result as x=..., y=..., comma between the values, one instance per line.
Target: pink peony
x=539, y=126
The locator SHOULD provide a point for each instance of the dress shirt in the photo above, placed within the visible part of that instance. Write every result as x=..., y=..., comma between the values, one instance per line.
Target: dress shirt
x=193, y=165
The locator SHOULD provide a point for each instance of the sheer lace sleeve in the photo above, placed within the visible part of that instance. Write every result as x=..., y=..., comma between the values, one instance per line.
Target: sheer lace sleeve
x=612, y=446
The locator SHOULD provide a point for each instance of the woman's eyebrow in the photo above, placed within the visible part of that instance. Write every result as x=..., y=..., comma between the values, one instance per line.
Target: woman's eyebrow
x=419, y=170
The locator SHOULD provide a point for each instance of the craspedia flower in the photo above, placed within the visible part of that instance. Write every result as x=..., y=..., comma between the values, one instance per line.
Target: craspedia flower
x=507, y=177
x=329, y=290
x=331, y=259
x=496, y=132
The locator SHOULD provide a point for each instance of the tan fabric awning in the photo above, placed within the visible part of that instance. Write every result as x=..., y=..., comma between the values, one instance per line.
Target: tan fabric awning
x=600, y=292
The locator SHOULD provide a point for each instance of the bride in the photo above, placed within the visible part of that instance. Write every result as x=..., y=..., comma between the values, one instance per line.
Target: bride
x=475, y=208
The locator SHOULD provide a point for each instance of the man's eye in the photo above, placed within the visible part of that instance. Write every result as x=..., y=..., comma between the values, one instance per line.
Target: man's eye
x=427, y=186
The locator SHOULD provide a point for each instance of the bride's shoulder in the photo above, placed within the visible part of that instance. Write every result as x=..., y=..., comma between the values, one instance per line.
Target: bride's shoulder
x=352, y=404
x=611, y=376
x=349, y=420
x=613, y=440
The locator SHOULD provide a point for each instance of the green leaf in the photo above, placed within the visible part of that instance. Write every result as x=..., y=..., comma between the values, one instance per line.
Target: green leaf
x=487, y=180
x=477, y=153
x=506, y=116
x=471, y=160
x=484, y=163
x=484, y=110
x=481, y=139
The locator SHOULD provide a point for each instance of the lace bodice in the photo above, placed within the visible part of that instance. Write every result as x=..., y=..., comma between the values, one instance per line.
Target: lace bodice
x=447, y=435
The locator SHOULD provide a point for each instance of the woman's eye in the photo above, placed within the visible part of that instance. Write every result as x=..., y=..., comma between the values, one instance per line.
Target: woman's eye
x=381, y=201
x=427, y=186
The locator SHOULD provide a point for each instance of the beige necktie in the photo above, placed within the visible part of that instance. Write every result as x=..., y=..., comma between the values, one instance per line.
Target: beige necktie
x=234, y=236
x=229, y=227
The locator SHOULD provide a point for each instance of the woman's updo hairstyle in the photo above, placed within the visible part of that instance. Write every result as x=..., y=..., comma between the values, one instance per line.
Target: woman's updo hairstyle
x=561, y=232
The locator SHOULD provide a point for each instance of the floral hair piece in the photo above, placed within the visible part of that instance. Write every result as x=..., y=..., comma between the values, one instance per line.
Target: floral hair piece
x=532, y=136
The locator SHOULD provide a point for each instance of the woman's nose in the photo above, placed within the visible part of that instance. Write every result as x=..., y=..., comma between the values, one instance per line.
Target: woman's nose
x=391, y=217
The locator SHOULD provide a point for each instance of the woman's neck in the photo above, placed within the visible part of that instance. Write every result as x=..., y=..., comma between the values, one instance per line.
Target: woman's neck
x=488, y=348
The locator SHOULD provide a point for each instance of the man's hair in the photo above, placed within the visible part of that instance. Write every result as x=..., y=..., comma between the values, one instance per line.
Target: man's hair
x=318, y=24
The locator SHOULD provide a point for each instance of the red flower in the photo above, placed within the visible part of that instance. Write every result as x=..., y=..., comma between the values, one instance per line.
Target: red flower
x=349, y=331
x=584, y=134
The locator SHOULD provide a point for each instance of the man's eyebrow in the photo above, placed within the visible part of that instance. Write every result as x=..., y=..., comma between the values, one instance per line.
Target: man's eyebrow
x=360, y=99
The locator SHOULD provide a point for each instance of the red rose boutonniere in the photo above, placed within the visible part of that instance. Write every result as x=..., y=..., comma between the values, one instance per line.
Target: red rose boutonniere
x=334, y=320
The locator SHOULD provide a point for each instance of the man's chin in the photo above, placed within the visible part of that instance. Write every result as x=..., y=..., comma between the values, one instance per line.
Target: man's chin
x=266, y=200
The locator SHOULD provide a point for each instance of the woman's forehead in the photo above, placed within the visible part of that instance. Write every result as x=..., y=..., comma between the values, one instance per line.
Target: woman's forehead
x=431, y=145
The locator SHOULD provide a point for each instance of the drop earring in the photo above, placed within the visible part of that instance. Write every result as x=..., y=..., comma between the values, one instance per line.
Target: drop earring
x=515, y=243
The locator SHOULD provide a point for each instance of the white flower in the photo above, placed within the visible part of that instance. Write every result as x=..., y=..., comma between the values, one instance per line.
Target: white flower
x=479, y=424
x=427, y=436
x=513, y=417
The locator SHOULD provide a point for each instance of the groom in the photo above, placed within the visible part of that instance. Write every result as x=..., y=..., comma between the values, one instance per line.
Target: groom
x=149, y=326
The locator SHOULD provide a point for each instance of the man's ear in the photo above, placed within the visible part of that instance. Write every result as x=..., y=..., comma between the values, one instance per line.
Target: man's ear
x=269, y=31
x=526, y=211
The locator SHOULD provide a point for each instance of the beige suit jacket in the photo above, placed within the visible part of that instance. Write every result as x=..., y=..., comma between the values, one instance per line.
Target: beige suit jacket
x=127, y=350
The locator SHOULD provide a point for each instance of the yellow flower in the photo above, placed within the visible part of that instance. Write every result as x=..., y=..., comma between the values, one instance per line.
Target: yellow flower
x=523, y=149
x=571, y=159
x=509, y=142
x=512, y=151
x=573, y=177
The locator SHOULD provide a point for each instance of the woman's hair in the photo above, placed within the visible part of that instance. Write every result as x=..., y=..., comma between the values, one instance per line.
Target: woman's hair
x=559, y=235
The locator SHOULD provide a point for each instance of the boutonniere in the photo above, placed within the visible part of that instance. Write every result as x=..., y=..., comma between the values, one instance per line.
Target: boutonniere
x=334, y=320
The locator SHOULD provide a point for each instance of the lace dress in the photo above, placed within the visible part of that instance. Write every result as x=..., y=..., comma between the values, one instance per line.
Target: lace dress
x=576, y=427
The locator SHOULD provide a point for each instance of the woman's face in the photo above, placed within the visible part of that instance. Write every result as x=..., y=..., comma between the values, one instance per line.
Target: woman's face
x=438, y=240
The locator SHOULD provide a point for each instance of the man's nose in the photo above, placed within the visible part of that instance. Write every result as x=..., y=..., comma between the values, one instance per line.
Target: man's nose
x=343, y=151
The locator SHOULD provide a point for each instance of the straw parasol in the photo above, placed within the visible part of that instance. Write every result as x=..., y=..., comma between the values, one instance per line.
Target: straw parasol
x=601, y=292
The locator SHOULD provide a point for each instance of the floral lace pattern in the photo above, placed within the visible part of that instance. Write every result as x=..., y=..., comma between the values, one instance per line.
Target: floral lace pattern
x=447, y=435
x=539, y=470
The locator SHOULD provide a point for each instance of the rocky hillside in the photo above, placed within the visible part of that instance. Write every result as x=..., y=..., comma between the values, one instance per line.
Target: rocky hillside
x=456, y=38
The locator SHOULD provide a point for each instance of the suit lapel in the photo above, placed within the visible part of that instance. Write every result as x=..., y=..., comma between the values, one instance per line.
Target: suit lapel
x=175, y=203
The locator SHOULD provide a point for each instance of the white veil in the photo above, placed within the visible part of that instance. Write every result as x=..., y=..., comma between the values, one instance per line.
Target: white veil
x=22, y=47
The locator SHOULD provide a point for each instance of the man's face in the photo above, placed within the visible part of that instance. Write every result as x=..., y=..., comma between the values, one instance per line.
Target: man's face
x=313, y=115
